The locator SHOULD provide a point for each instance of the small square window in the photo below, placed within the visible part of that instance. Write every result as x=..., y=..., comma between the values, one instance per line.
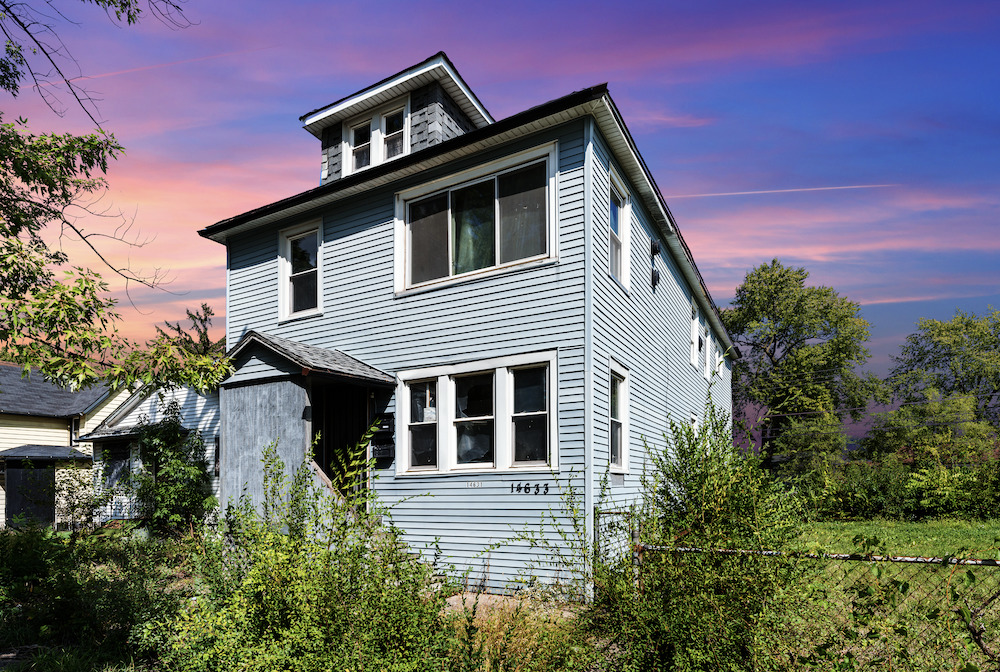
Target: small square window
x=375, y=138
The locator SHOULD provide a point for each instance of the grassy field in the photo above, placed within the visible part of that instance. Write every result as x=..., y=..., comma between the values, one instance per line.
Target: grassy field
x=935, y=538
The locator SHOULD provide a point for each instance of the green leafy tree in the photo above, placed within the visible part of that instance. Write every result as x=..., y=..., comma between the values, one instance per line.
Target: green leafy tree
x=800, y=345
x=938, y=428
x=173, y=487
x=957, y=357
x=53, y=315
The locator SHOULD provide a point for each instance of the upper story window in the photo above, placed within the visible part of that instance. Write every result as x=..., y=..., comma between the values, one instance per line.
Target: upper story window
x=695, y=335
x=494, y=414
x=376, y=137
x=300, y=270
x=496, y=216
x=619, y=219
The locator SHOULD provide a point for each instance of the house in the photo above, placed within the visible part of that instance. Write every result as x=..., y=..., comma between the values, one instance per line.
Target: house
x=40, y=445
x=511, y=300
x=115, y=450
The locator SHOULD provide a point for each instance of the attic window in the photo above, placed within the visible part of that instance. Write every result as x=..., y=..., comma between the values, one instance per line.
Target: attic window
x=376, y=137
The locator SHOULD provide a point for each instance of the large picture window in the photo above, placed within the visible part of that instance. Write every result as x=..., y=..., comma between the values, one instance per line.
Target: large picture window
x=495, y=414
x=486, y=219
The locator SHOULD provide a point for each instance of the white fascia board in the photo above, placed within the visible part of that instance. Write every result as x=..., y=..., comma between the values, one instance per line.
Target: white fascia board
x=345, y=108
x=623, y=147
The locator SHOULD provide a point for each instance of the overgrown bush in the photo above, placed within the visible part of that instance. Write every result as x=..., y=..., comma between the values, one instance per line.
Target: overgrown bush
x=308, y=580
x=89, y=594
x=173, y=488
x=701, y=611
x=895, y=489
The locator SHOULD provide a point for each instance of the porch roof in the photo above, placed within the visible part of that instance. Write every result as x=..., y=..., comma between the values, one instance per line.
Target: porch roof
x=312, y=359
x=38, y=452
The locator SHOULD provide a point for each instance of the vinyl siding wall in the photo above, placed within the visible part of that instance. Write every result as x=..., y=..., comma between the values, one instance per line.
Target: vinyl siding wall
x=647, y=331
x=513, y=312
x=198, y=412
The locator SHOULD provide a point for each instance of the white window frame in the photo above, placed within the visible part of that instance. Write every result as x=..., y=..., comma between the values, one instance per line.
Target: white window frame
x=617, y=186
x=285, y=237
x=548, y=152
x=695, y=334
x=709, y=356
x=376, y=124
x=503, y=414
x=617, y=370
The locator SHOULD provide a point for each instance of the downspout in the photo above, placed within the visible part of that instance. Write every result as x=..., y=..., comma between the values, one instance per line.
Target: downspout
x=588, y=349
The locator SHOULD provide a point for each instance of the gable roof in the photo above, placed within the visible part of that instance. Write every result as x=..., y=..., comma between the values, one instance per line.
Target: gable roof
x=312, y=359
x=437, y=68
x=42, y=398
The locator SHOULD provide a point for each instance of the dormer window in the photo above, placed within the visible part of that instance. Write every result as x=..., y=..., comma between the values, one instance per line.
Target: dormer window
x=376, y=137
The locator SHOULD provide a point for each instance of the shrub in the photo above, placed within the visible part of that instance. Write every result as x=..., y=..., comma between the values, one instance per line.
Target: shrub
x=173, y=488
x=702, y=611
x=307, y=581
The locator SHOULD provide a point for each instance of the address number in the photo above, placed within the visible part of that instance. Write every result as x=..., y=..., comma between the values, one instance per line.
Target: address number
x=529, y=488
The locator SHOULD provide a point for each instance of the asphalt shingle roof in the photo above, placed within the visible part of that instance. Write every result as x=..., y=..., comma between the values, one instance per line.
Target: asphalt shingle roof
x=36, y=396
x=320, y=360
x=37, y=452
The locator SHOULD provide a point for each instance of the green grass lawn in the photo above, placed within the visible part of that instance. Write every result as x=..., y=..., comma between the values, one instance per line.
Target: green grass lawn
x=935, y=538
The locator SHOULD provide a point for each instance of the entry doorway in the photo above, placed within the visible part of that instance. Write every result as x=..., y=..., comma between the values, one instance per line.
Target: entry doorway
x=341, y=415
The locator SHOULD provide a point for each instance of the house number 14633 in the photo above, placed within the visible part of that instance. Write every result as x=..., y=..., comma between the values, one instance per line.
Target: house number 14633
x=530, y=488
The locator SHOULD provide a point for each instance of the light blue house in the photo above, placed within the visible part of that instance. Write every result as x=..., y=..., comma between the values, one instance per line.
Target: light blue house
x=512, y=299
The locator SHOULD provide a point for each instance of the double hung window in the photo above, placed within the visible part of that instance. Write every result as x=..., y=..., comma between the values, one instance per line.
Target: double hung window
x=491, y=217
x=618, y=418
x=376, y=137
x=300, y=262
x=619, y=220
x=494, y=414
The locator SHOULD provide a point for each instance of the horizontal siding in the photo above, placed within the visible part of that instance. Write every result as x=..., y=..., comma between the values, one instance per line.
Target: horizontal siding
x=23, y=430
x=648, y=331
x=540, y=308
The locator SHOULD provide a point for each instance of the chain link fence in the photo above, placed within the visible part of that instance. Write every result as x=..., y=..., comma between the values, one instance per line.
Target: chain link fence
x=857, y=612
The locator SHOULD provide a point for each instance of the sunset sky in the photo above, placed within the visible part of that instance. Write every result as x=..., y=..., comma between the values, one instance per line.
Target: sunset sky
x=860, y=140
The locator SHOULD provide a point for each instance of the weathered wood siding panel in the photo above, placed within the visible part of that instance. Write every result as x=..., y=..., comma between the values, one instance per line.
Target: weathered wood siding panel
x=647, y=330
x=522, y=310
x=254, y=416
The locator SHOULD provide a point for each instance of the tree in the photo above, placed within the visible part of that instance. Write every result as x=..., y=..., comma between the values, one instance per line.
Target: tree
x=173, y=487
x=936, y=428
x=957, y=357
x=63, y=320
x=800, y=345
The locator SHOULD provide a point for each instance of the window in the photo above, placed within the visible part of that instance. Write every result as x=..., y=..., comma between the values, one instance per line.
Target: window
x=695, y=336
x=618, y=418
x=709, y=358
x=423, y=424
x=116, y=457
x=376, y=137
x=491, y=217
x=485, y=224
x=300, y=268
x=494, y=414
x=619, y=216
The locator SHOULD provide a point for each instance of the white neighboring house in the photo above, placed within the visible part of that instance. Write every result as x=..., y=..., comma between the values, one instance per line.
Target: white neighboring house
x=116, y=453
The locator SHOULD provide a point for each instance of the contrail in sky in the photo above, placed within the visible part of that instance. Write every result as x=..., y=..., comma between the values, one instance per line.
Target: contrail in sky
x=164, y=65
x=784, y=191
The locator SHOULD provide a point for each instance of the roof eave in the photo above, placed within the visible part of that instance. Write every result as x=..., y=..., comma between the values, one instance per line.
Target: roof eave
x=397, y=85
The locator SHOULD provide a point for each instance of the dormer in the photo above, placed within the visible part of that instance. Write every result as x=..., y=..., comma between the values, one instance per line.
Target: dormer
x=419, y=107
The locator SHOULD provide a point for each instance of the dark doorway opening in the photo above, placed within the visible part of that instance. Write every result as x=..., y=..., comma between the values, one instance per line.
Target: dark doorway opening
x=341, y=415
x=31, y=492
